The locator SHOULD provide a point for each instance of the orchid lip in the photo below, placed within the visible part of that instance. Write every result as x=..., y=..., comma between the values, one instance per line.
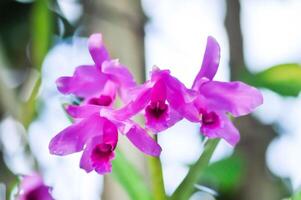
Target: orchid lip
x=102, y=151
x=157, y=109
x=209, y=119
x=103, y=100
x=36, y=193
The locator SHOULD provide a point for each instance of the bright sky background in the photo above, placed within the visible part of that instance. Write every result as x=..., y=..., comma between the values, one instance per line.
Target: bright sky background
x=175, y=39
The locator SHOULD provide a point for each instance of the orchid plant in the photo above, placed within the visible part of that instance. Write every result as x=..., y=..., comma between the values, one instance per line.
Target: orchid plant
x=163, y=100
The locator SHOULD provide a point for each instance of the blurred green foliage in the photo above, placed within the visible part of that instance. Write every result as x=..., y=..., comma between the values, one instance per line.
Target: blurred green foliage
x=14, y=31
x=284, y=79
x=127, y=175
x=187, y=186
x=42, y=34
x=25, y=30
x=225, y=175
x=296, y=196
x=41, y=31
x=25, y=35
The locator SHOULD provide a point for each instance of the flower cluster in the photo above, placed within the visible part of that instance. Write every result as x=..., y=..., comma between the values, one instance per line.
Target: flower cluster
x=163, y=100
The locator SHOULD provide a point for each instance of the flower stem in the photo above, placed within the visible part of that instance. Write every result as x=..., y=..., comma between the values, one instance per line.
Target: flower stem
x=157, y=177
x=186, y=188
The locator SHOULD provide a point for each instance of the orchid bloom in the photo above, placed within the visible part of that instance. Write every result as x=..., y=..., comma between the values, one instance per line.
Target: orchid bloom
x=97, y=136
x=161, y=98
x=216, y=99
x=98, y=83
x=33, y=188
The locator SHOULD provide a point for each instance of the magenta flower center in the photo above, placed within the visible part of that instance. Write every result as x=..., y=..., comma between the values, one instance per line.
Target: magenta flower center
x=157, y=109
x=210, y=119
x=101, y=151
x=103, y=100
x=38, y=193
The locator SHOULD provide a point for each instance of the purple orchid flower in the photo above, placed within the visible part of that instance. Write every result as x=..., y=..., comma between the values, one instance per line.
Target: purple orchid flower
x=33, y=188
x=97, y=136
x=99, y=83
x=162, y=99
x=215, y=99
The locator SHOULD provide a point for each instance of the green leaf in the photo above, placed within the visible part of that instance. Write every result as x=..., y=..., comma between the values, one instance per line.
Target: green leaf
x=42, y=25
x=296, y=196
x=226, y=174
x=285, y=79
x=42, y=30
x=187, y=187
x=126, y=174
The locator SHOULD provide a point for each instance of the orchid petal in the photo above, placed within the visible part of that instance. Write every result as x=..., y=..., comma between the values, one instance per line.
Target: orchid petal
x=102, y=164
x=181, y=99
x=210, y=63
x=82, y=111
x=97, y=49
x=120, y=75
x=163, y=123
x=159, y=91
x=226, y=130
x=86, y=81
x=110, y=89
x=73, y=138
x=85, y=161
x=234, y=97
x=139, y=137
x=167, y=87
x=105, y=166
x=30, y=182
x=33, y=187
x=157, y=74
x=141, y=98
x=192, y=112
x=177, y=94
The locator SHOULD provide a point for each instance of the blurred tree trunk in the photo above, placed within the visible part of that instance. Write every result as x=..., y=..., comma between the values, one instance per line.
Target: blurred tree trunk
x=258, y=183
x=122, y=25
